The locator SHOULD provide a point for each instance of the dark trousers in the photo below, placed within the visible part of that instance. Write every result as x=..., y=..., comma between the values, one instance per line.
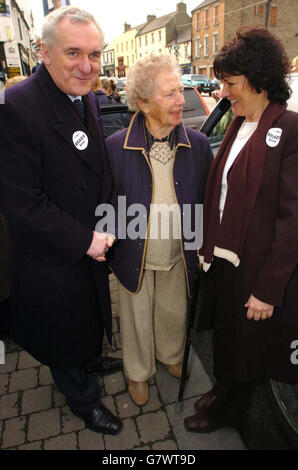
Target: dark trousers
x=81, y=389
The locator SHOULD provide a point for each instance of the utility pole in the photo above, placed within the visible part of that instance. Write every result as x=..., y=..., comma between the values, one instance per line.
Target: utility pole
x=267, y=12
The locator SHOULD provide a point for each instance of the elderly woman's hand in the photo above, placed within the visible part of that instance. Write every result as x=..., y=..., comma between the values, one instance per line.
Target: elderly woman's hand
x=258, y=310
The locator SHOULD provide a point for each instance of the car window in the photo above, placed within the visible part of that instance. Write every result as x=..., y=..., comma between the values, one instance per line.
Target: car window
x=115, y=121
x=193, y=106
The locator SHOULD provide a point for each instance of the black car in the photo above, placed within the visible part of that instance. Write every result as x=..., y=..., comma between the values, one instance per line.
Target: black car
x=272, y=420
x=117, y=116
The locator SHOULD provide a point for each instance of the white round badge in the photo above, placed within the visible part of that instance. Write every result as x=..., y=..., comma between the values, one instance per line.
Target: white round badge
x=273, y=136
x=80, y=140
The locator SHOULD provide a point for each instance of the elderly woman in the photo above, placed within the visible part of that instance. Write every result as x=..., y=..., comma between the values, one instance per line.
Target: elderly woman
x=156, y=161
x=250, y=247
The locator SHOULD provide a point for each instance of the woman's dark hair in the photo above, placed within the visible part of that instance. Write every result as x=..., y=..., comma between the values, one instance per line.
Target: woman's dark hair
x=261, y=57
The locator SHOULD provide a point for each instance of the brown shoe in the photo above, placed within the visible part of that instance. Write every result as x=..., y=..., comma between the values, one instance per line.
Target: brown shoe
x=175, y=370
x=201, y=422
x=205, y=400
x=139, y=392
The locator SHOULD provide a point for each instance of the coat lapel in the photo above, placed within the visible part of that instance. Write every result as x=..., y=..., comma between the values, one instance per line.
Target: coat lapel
x=68, y=122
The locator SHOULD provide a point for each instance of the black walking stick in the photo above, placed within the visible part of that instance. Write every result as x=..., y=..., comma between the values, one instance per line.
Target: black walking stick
x=191, y=309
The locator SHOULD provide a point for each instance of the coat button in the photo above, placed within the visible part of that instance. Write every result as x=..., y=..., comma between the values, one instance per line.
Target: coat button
x=177, y=183
x=84, y=185
x=138, y=269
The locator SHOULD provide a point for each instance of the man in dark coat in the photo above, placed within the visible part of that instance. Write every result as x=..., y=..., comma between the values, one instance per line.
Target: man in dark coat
x=54, y=172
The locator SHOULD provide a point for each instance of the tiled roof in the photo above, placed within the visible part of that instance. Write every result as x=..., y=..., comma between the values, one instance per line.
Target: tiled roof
x=204, y=4
x=184, y=36
x=157, y=23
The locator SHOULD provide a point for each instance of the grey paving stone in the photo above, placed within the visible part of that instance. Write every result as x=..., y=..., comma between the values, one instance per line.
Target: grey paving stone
x=23, y=380
x=45, y=376
x=44, y=425
x=65, y=442
x=108, y=402
x=70, y=422
x=36, y=400
x=226, y=438
x=165, y=445
x=58, y=398
x=14, y=432
x=114, y=383
x=26, y=361
x=154, y=402
x=9, y=406
x=153, y=426
x=126, y=408
x=11, y=360
x=37, y=445
x=127, y=439
x=4, y=379
x=89, y=440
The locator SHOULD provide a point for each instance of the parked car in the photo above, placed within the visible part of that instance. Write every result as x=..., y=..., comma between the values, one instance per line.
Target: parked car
x=117, y=116
x=272, y=420
x=200, y=82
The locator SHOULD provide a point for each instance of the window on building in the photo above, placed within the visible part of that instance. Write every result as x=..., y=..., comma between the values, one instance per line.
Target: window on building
x=127, y=45
x=206, y=45
x=258, y=10
x=215, y=43
x=159, y=36
x=146, y=40
x=198, y=22
x=127, y=61
x=273, y=16
x=122, y=47
x=185, y=52
x=152, y=38
x=20, y=29
x=216, y=14
x=198, y=47
x=132, y=43
x=206, y=18
x=133, y=59
x=140, y=42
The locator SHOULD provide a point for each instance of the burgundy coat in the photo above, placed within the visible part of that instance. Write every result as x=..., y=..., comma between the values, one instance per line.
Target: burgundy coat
x=49, y=190
x=268, y=270
x=132, y=177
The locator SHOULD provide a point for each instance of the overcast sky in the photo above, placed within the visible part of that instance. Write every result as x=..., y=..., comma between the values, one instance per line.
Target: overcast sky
x=112, y=14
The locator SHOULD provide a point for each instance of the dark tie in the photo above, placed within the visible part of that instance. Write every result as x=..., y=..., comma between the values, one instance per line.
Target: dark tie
x=80, y=107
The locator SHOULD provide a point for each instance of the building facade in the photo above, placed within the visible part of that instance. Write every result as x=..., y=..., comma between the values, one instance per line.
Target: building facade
x=280, y=16
x=108, y=60
x=125, y=49
x=180, y=46
x=159, y=33
x=208, y=24
x=15, y=47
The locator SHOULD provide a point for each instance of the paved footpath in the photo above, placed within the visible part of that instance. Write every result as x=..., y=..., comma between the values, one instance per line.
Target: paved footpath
x=34, y=415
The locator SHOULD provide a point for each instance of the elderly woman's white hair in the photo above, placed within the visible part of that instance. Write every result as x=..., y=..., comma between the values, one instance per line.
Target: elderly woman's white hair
x=74, y=14
x=141, y=78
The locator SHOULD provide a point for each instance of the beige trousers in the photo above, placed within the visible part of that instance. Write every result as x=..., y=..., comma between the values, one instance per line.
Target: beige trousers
x=153, y=322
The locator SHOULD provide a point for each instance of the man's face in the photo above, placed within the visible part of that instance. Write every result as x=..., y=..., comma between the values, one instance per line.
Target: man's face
x=74, y=60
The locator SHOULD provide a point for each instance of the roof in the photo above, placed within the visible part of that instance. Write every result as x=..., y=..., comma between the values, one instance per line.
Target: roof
x=157, y=23
x=183, y=36
x=204, y=4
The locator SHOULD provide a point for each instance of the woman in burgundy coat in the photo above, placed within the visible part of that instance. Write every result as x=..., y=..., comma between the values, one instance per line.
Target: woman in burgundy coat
x=250, y=245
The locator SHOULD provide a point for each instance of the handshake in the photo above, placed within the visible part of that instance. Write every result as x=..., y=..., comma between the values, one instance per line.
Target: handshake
x=101, y=243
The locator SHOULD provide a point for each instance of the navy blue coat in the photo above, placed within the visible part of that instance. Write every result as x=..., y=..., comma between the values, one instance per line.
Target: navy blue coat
x=132, y=177
x=49, y=191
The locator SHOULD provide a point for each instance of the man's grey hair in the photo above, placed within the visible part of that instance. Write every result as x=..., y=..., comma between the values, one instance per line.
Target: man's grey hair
x=75, y=15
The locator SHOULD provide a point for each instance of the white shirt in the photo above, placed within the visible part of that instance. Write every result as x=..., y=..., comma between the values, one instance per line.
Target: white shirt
x=244, y=133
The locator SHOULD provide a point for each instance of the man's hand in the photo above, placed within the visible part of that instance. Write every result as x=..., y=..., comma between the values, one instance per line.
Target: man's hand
x=258, y=310
x=101, y=242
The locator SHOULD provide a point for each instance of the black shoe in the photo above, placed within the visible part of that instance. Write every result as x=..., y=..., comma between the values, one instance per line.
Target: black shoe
x=100, y=419
x=104, y=365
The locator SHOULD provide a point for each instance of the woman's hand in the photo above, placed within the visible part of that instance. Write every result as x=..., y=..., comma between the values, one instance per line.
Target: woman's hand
x=258, y=310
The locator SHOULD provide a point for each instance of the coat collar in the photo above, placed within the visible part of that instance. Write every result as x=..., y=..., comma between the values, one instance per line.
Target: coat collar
x=135, y=137
x=68, y=122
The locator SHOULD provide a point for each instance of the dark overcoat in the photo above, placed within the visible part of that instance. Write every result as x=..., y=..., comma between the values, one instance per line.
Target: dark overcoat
x=4, y=261
x=49, y=190
x=247, y=349
x=133, y=178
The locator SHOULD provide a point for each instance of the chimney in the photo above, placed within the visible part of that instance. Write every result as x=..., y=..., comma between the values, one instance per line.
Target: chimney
x=181, y=7
x=150, y=18
x=126, y=27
